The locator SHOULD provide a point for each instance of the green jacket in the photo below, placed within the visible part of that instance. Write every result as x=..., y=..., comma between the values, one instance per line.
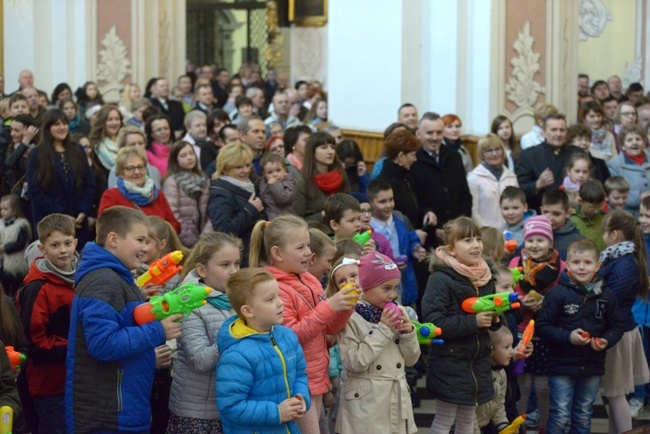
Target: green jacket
x=590, y=228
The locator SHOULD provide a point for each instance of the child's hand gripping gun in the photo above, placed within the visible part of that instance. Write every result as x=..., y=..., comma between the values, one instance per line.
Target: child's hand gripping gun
x=526, y=338
x=183, y=299
x=15, y=358
x=517, y=274
x=496, y=303
x=510, y=244
x=427, y=332
x=362, y=237
x=513, y=428
x=6, y=419
x=163, y=269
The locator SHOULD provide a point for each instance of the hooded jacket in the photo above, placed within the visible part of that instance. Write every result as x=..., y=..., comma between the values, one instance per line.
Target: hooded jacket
x=307, y=314
x=564, y=236
x=256, y=372
x=569, y=306
x=111, y=360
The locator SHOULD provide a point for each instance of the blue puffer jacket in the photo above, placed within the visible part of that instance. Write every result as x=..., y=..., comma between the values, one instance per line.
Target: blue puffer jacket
x=569, y=306
x=622, y=276
x=256, y=372
x=111, y=360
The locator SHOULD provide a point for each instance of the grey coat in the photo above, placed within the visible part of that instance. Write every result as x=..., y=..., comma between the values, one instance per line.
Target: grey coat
x=278, y=197
x=193, y=392
x=637, y=176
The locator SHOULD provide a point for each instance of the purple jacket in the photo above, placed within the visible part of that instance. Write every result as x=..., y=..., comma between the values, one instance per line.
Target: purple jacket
x=383, y=245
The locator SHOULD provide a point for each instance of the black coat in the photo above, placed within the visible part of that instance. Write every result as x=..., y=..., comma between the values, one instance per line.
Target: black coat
x=459, y=370
x=174, y=111
x=533, y=161
x=569, y=306
x=398, y=178
x=441, y=187
x=230, y=212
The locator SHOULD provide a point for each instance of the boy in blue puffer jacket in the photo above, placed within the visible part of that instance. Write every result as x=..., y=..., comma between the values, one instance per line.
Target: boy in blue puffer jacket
x=262, y=373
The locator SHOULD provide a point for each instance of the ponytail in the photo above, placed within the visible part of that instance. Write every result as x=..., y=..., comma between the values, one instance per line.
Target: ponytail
x=268, y=234
x=257, y=254
x=625, y=222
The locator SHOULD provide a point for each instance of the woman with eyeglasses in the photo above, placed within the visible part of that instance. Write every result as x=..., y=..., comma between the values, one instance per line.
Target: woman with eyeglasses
x=488, y=180
x=58, y=176
x=159, y=141
x=135, y=189
x=625, y=114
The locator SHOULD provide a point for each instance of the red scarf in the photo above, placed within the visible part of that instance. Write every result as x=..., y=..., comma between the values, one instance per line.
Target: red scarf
x=329, y=182
x=639, y=159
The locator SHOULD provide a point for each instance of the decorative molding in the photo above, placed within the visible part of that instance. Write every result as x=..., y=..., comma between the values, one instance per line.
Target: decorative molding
x=309, y=53
x=164, y=49
x=632, y=73
x=522, y=89
x=593, y=19
x=114, y=65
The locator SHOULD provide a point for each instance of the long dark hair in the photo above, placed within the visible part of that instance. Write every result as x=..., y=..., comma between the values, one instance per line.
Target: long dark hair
x=309, y=165
x=624, y=221
x=513, y=144
x=173, y=166
x=57, y=90
x=148, y=130
x=97, y=132
x=46, y=154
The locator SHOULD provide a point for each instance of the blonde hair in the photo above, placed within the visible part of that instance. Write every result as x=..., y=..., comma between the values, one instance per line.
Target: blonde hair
x=319, y=242
x=274, y=233
x=488, y=142
x=206, y=246
x=127, y=131
x=493, y=244
x=124, y=154
x=232, y=155
x=160, y=229
x=332, y=287
x=240, y=287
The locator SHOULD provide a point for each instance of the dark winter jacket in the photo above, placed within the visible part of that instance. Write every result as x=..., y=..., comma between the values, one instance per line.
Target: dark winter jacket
x=441, y=187
x=622, y=277
x=533, y=161
x=399, y=180
x=569, y=306
x=459, y=370
x=564, y=236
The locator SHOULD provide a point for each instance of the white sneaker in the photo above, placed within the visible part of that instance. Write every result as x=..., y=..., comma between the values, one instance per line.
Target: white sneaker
x=636, y=407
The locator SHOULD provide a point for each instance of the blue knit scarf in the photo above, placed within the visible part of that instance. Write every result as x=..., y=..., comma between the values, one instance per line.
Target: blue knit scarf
x=137, y=194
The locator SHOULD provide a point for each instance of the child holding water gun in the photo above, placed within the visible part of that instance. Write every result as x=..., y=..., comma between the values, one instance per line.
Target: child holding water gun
x=625, y=272
x=214, y=258
x=376, y=346
x=458, y=372
x=282, y=245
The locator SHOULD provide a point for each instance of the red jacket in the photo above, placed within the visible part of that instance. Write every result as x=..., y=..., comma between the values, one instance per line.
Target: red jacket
x=44, y=305
x=311, y=319
x=159, y=208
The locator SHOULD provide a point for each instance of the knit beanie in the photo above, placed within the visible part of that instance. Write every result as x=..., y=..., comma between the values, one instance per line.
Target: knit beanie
x=376, y=269
x=538, y=226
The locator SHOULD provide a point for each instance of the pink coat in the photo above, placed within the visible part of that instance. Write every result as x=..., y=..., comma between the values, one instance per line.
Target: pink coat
x=191, y=214
x=307, y=314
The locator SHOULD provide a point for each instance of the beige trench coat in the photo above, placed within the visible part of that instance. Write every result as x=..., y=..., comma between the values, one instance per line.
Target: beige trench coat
x=375, y=397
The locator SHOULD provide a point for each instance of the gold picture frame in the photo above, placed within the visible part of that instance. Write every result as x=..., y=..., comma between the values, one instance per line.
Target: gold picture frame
x=308, y=13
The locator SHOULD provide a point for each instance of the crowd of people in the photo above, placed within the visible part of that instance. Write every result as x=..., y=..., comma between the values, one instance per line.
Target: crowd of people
x=319, y=271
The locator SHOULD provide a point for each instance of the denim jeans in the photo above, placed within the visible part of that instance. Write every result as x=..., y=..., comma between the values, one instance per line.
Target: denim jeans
x=642, y=392
x=51, y=414
x=572, y=402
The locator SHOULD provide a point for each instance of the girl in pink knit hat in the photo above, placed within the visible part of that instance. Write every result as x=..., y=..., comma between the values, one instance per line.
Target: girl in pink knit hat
x=376, y=346
x=542, y=267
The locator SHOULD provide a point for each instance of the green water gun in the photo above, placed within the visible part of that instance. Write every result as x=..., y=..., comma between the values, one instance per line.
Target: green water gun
x=496, y=303
x=183, y=299
x=426, y=332
x=517, y=274
x=362, y=237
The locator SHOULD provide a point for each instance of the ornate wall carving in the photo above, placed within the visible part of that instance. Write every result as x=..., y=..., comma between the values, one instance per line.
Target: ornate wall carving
x=632, y=73
x=114, y=65
x=309, y=53
x=593, y=19
x=522, y=89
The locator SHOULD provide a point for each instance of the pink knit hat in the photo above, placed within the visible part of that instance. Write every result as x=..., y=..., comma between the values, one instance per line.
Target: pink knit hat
x=376, y=269
x=538, y=226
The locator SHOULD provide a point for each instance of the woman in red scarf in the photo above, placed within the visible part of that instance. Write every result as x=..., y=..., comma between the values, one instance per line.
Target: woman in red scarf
x=322, y=175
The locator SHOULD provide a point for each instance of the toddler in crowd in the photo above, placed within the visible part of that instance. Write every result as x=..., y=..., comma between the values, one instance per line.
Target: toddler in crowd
x=555, y=207
x=541, y=266
x=110, y=361
x=577, y=323
x=376, y=346
x=15, y=234
x=616, y=192
x=578, y=171
x=514, y=210
x=277, y=186
x=214, y=258
x=282, y=245
x=262, y=372
x=588, y=215
x=625, y=272
x=458, y=372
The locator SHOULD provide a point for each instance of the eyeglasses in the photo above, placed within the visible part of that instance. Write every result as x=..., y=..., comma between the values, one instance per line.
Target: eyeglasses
x=366, y=212
x=493, y=151
x=139, y=168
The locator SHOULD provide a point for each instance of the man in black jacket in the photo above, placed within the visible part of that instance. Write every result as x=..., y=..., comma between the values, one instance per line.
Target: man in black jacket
x=439, y=180
x=542, y=168
x=173, y=109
